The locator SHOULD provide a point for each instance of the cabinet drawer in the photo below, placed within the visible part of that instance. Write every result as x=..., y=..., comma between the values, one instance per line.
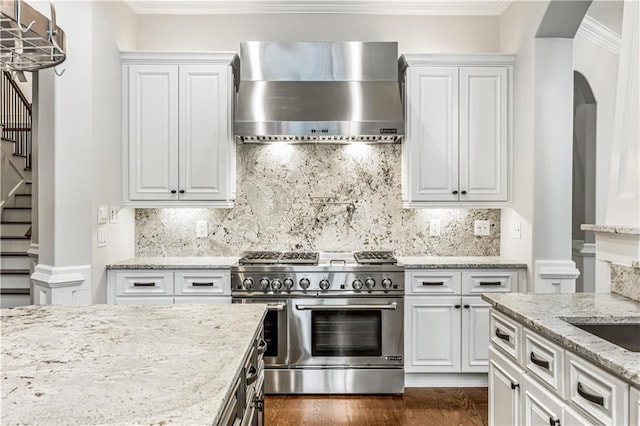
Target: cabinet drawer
x=634, y=406
x=544, y=360
x=476, y=282
x=596, y=392
x=433, y=282
x=222, y=300
x=505, y=334
x=195, y=283
x=143, y=283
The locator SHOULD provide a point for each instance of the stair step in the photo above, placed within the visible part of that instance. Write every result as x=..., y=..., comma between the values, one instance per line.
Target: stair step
x=14, y=229
x=15, y=291
x=14, y=299
x=15, y=244
x=23, y=200
x=14, y=261
x=16, y=214
x=15, y=280
x=14, y=271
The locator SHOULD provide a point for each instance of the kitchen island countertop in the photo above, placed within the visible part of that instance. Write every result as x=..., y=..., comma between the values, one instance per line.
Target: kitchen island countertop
x=545, y=314
x=122, y=364
x=187, y=262
x=458, y=262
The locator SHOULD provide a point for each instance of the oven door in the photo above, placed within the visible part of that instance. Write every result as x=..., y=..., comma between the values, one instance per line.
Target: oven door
x=353, y=332
x=276, y=330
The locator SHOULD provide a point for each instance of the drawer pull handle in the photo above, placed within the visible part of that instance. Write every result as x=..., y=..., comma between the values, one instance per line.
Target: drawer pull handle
x=144, y=284
x=433, y=283
x=262, y=347
x=252, y=375
x=554, y=422
x=503, y=336
x=202, y=284
x=515, y=385
x=490, y=283
x=539, y=362
x=596, y=399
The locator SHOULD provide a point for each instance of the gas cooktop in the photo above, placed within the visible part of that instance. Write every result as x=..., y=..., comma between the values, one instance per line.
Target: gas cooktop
x=315, y=258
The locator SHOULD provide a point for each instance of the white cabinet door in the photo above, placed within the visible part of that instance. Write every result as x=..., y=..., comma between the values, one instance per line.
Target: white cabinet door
x=153, y=132
x=504, y=390
x=205, y=139
x=634, y=406
x=433, y=340
x=541, y=407
x=483, y=134
x=432, y=139
x=475, y=335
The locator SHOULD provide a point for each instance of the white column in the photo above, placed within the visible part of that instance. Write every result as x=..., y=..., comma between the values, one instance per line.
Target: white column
x=554, y=271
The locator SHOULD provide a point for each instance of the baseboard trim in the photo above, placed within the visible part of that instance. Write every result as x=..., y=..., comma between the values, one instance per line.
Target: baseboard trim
x=445, y=380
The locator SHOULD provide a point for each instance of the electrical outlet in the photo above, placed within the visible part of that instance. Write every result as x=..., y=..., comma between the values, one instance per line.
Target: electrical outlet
x=434, y=227
x=103, y=214
x=482, y=228
x=114, y=216
x=201, y=228
x=102, y=236
x=516, y=231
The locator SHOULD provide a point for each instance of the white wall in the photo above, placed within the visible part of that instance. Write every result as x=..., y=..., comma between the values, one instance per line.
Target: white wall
x=113, y=30
x=518, y=25
x=414, y=34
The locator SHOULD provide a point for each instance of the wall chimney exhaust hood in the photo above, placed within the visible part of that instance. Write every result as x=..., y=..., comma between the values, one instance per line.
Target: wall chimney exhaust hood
x=318, y=92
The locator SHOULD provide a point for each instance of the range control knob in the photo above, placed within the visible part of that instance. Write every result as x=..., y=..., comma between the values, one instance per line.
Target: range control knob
x=288, y=283
x=324, y=284
x=305, y=283
x=386, y=283
x=370, y=283
x=357, y=284
x=247, y=283
x=264, y=283
x=276, y=284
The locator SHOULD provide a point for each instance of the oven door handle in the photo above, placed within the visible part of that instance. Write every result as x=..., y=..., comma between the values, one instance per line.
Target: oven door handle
x=391, y=306
x=275, y=306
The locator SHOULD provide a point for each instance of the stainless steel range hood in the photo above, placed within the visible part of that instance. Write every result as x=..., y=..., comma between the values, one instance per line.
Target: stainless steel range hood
x=333, y=92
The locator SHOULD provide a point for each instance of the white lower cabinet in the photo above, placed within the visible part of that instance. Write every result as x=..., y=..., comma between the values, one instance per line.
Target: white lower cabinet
x=167, y=287
x=558, y=387
x=446, y=321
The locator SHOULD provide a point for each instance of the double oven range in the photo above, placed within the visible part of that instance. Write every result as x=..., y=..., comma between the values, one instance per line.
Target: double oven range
x=334, y=321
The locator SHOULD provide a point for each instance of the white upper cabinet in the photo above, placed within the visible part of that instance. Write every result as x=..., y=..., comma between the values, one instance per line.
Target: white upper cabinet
x=457, y=147
x=178, y=141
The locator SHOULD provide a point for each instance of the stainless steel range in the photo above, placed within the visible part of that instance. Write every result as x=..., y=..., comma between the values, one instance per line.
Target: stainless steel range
x=335, y=320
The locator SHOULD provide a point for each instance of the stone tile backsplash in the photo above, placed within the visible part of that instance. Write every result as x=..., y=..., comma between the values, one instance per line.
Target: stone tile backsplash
x=625, y=280
x=321, y=197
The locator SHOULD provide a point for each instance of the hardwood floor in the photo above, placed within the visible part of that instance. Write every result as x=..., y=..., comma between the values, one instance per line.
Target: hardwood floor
x=418, y=406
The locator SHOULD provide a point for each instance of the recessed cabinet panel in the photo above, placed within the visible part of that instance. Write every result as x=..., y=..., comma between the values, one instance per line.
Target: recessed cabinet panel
x=483, y=133
x=505, y=380
x=153, y=132
x=433, y=112
x=475, y=334
x=541, y=408
x=203, y=132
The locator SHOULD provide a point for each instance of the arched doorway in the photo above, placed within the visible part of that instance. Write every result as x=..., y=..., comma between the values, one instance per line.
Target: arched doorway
x=584, y=181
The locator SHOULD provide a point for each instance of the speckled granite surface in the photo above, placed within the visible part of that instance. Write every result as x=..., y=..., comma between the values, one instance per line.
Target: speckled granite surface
x=116, y=364
x=613, y=229
x=276, y=209
x=192, y=262
x=544, y=313
x=625, y=280
x=452, y=262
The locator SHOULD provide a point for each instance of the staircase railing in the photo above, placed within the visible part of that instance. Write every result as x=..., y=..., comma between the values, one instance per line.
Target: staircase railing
x=15, y=116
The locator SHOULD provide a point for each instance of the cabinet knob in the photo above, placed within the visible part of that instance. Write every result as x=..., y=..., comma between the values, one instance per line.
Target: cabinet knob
x=466, y=306
x=182, y=191
x=454, y=192
x=457, y=306
x=463, y=192
x=173, y=191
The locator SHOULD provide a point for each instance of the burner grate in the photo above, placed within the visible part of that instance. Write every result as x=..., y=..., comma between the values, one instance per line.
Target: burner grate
x=261, y=257
x=299, y=257
x=375, y=257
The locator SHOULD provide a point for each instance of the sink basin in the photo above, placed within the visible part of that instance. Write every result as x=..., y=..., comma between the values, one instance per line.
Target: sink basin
x=626, y=335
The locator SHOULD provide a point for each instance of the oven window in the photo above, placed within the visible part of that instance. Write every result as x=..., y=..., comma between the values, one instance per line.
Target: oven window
x=271, y=333
x=343, y=333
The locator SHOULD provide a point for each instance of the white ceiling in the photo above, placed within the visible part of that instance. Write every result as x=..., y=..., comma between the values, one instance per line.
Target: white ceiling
x=376, y=7
x=608, y=13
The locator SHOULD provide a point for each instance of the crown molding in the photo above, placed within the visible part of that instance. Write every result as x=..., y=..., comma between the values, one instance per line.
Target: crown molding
x=599, y=34
x=370, y=7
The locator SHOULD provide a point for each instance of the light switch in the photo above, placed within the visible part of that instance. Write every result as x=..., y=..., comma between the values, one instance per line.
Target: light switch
x=114, y=216
x=102, y=236
x=482, y=228
x=201, y=229
x=516, y=229
x=434, y=227
x=103, y=214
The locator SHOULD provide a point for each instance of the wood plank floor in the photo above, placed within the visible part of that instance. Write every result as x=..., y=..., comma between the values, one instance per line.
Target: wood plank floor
x=418, y=406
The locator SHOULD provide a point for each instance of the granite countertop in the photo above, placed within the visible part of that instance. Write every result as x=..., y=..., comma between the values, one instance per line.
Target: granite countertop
x=439, y=262
x=544, y=313
x=122, y=364
x=175, y=263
